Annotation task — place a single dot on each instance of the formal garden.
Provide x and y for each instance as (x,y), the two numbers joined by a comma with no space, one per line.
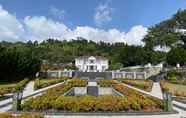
(54,100)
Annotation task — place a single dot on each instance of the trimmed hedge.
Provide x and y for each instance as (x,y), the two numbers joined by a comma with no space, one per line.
(90,104)
(67,86)
(106,83)
(41,83)
(139,83)
(139,100)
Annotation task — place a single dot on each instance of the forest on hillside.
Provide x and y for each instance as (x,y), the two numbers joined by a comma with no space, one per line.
(26,57)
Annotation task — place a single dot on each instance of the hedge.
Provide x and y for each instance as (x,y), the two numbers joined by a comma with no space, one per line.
(67,86)
(139,83)
(41,83)
(89,104)
(106,83)
(139,100)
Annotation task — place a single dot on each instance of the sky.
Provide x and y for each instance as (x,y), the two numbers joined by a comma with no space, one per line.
(98,20)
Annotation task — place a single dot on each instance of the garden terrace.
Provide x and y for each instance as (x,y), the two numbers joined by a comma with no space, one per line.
(44,82)
(175,89)
(139,83)
(131,101)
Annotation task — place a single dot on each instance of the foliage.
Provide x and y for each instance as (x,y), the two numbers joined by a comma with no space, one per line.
(44,82)
(62,52)
(106,83)
(139,83)
(177,55)
(75,82)
(16,64)
(88,104)
(60,90)
(140,101)
(175,88)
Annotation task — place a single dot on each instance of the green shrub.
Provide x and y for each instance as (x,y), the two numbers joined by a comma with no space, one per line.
(78,82)
(19,86)
(106,83)
(41,83)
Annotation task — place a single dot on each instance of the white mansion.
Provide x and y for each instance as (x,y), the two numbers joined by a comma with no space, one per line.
(91,63)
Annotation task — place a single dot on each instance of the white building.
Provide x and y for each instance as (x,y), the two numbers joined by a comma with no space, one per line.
(91,63)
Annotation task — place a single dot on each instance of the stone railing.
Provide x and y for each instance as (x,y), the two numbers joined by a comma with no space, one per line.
(131,75)
(56,73)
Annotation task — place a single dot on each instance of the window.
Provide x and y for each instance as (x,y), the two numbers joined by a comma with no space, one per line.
(91,61)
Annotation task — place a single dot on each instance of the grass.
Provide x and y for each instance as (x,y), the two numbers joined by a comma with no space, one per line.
(175,89)
(139,83)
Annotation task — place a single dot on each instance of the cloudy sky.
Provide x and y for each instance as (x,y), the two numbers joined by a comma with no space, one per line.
(98,20)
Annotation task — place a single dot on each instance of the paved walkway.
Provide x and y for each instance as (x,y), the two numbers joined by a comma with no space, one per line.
(156,90)
(29,88)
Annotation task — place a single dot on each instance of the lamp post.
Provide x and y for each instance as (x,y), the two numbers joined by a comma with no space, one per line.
(167,101)
(17,97)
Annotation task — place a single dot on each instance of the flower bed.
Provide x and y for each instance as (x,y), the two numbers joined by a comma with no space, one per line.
(175,89)
(26,115)
(139,83)
(139,100)
(41,83)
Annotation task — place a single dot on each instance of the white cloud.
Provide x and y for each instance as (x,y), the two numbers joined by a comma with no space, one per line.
(103,14)
(135,35)
(10,28)
(59,13)
(40,28)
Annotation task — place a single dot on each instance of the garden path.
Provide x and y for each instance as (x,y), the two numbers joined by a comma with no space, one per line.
(156,90)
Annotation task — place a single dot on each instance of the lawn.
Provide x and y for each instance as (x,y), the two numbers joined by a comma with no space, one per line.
(175,89)
(139,83)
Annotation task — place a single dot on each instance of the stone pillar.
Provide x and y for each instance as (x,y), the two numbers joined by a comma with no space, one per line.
(92,89)
(167,101)
(17,97)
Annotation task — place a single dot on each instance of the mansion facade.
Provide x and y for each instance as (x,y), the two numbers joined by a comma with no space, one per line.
(92,63)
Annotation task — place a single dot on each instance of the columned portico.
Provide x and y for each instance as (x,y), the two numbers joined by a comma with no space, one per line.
(91,64)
